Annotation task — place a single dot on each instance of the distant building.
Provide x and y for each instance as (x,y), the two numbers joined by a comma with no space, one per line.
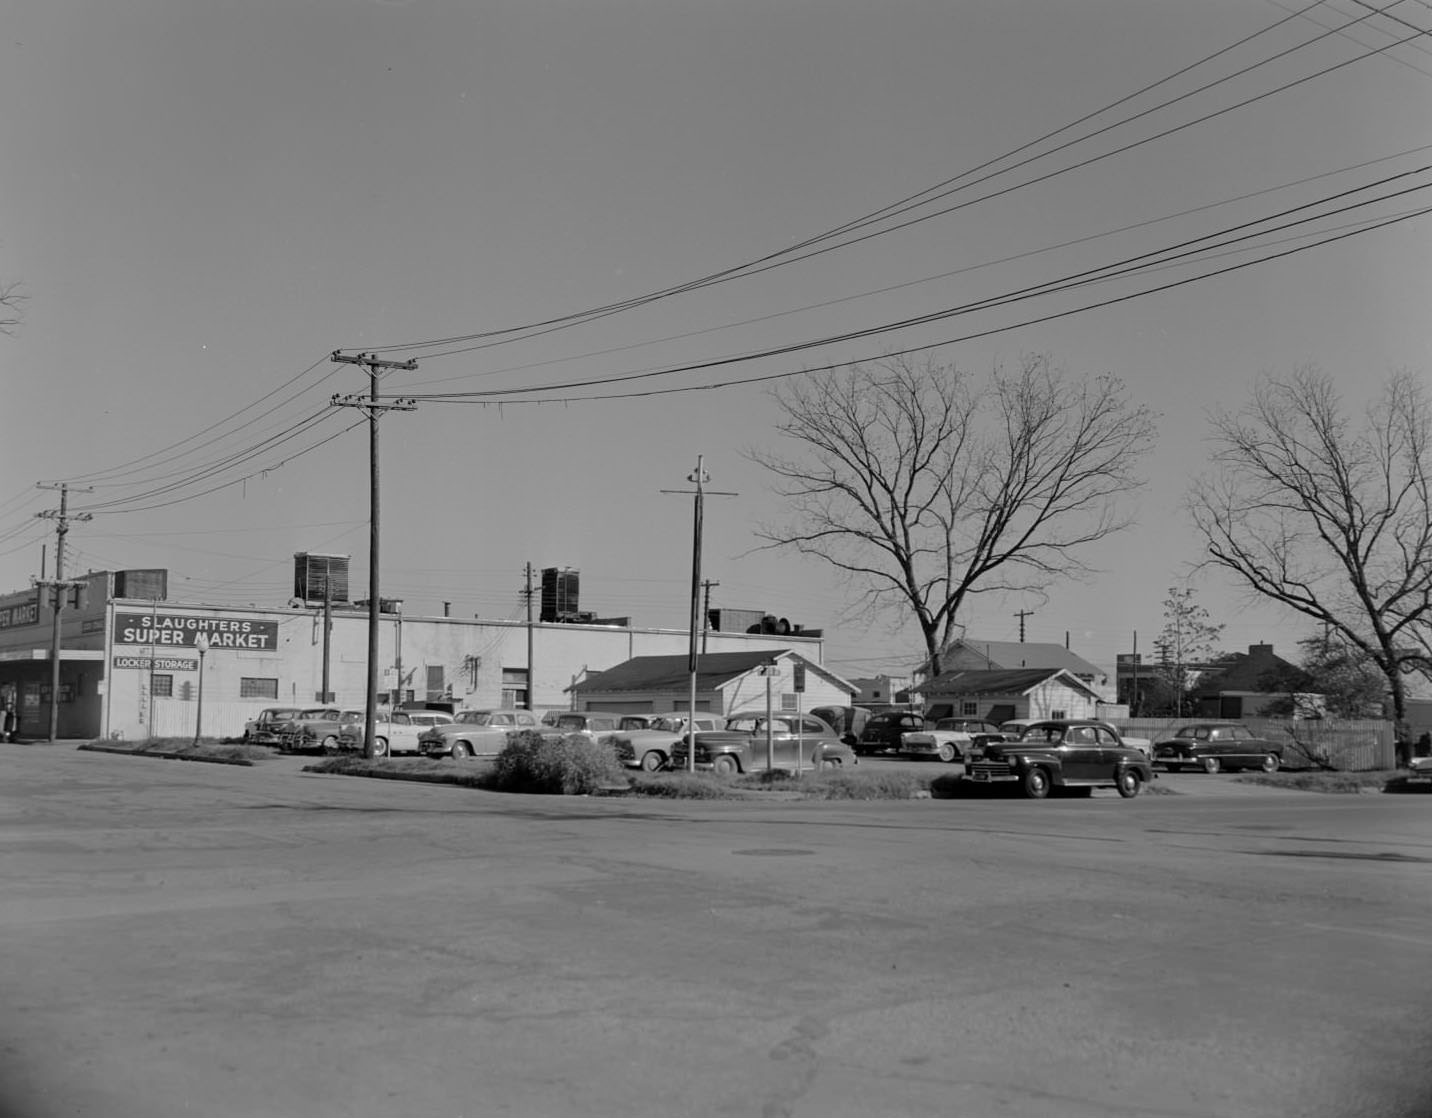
(999,694)
(725,682)
(1240,686)
(130,665)
(881,689)
(974,654)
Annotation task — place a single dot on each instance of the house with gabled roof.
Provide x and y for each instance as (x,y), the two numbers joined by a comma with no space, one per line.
(725,682)
(998,694)
(972,654)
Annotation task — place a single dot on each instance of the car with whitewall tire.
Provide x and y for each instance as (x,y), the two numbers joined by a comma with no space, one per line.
(1061,753)
(475,734)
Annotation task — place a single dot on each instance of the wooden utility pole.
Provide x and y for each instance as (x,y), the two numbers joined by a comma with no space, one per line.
(706,612)
(1022,614)
(531,678)
(374,408)
(58,586)
(699,477)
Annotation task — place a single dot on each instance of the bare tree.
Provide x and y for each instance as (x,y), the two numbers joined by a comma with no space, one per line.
(11,296)
(1332,521)
(925,488)
(1188,637)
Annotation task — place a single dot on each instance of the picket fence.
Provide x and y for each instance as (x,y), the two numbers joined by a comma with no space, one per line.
(1352,746)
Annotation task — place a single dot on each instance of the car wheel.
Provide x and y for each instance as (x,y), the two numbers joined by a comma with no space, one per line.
(948,753)
(380,747)
(725,765)
(826,764)
(329,743)
(1211,765)
(1270,763)
(461,751)
(652,761)
(1036,783)
(1127,782)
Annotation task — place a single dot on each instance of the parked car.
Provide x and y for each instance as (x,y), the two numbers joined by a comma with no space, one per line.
(430,717)
(394,731)
(848,722)
(594,725)
(475,733)
(1061,753)
(885,731)
(649,748)
(266,726)
(741,746)
(1419,771)
(948,739)
(1212,746)
(316,728)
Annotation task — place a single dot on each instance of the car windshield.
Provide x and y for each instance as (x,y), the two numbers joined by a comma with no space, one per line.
(317,712)
(669,724)
(572,722)
(1043,733)
(475,717)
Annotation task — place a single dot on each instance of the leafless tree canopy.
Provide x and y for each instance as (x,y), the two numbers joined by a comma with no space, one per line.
(1331,518)
(925,487)
(11,297)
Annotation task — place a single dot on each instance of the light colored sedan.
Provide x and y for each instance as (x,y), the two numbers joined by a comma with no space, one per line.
(475,733)
(394,731)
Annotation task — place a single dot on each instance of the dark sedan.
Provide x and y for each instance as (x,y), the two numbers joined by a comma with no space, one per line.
(1216,746)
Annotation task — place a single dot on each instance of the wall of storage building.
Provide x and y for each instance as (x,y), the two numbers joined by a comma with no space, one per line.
(470,663)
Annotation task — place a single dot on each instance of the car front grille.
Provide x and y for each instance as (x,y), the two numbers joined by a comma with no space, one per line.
(990,770)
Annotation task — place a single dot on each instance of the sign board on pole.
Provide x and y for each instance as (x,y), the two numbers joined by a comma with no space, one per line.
(798,675)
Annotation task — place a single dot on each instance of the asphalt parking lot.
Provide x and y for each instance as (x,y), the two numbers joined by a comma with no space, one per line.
(185,939)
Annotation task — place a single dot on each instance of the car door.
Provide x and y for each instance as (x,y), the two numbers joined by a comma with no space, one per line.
(1082,755)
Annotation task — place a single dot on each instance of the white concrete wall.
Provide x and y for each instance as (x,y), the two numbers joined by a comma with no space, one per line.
(472,654)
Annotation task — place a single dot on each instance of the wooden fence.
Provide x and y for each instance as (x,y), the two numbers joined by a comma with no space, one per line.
(1353,746)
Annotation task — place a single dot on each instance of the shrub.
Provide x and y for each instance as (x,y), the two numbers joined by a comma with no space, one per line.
(568,766)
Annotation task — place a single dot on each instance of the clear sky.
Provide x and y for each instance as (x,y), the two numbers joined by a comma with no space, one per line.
(204,198)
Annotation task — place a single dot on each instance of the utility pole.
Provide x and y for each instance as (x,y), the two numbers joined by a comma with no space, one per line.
(1022,614)
(374,408)
(706,612)
(531,679)
(58,586)
(698,477)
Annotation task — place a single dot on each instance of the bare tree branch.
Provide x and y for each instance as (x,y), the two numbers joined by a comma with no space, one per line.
(12,296)
(925,488)
(1332,521)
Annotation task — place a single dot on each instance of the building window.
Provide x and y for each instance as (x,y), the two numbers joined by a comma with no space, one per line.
(788,701)
(1057,714)
(435,681)
(969,709)
(250,688)
(163,686)
(514,688)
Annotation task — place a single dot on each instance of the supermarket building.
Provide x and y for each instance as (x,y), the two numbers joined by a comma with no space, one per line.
(134,664)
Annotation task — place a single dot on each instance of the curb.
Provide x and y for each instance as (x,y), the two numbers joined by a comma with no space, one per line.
(168,756)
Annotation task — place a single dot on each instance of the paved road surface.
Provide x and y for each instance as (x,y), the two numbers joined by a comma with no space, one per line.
(183,939)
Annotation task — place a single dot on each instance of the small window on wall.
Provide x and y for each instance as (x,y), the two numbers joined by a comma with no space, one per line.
(788,700)
(250,688)
(969,710)
(1057,714)
(163,686)
(514,698)
(514,676)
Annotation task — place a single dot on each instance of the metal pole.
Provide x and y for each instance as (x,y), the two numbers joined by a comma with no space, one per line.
(770,741)
(57,604)
(201,642)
